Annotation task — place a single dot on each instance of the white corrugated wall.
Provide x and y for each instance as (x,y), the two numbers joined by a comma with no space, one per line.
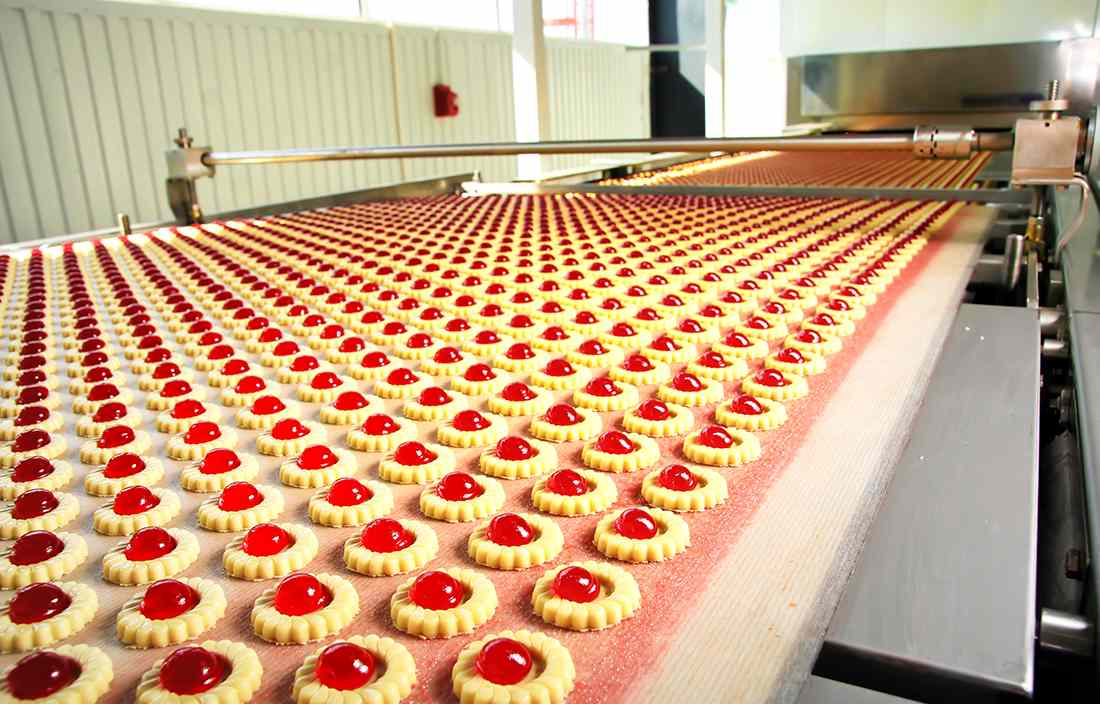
(91,94)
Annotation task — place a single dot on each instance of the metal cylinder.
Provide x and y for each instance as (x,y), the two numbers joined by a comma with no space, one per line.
(1050,321)
(1063,632)
(845,142)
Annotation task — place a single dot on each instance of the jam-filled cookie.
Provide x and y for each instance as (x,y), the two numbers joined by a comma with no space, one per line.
(169,612)
(45,612)
(586,596)
(687,389)
(218,469)
(512,667)
(37,509)
(41,556)
(33,418)
(480,379)
(792,361)
(605,394)
(574,492)
(150,554)
(350,502)
(199,439)
(656,419)
(400,383)
(774,385)
(565,423)
(639,370)
(366,668)
(265,411)
(514,457)
(289,436)
(443,603)
(718,367)
(642,535)
(813,342)
(559,375)
(350,408)
(35,472)
(470,428)
(746,412)
(32,443)
(681,488)
(513,541)
(79,674)
(240,506)
(741,346)
(134,508)
(317,466)
(304,607)
(717,446)
(670,351)
(459,497)
(433,404)
(520,358)
(616,451)
(184,414)
(269,550)
(414,462)
(388,546)
(215,671)
(380,432)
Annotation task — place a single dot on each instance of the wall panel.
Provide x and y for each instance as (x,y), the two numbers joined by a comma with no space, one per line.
(92,93)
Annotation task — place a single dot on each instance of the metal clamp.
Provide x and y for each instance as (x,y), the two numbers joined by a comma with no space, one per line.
(944,142)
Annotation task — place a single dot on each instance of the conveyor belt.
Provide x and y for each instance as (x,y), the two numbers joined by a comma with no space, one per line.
(471,258)
(882,170)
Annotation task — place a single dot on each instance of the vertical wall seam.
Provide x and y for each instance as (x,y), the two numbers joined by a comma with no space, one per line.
(54,167)
(71,115)
(125,136)
(102,149)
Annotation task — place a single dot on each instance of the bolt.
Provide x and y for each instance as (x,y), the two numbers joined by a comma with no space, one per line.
(1054,89)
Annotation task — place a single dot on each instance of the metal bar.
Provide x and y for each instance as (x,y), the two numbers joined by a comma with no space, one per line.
(655,48)
(1063,632)
(990,141)
(975,195)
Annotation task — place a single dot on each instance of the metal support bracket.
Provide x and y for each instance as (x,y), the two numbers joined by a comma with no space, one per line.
(185,164)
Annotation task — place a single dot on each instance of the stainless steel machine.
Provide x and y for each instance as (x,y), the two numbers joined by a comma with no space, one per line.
(976,582)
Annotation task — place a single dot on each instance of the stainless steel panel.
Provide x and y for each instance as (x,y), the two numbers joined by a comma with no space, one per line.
(1081,257)
(819,690)
(982,86)
(942,604)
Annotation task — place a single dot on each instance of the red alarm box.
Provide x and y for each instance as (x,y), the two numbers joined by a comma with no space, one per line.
(445,100)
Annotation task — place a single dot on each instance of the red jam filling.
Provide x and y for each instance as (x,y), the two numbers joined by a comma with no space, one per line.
(447,355)
(664,343)
(520,350)
(687,382)
(576,584)
(187,408)
(654,409)
(790,355)
(712,360)
(479,372)
(809,337)
(34,503)
(559,368)
(614,442)
(437,591)
(380,424)
(301,593)
(509,529)
(562,414)
(386,535)
(251,384)
(345,666)
(37,602)
(32,469)
(636,523)
(40,674)
(31,415)
(716,436)
(677,477)
(374,360)
(166,599)
(134,500)
(592,347)
(289,429)
(514,449)
(567,482)
(602,386)
(240,496)
(149,544)
(413,453)
(350,401)
(174,388)
(317,457)
(470,421)
(325,380)
(266,539)
(738,340)
(770,377)
(637,363)
(433,396)
(402,377)
(202,432)
(192,670)
(348,491)
(30,440)
(518,392)
(219,461)
(34,547)
(504,661)
(458,486)
(746,405)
